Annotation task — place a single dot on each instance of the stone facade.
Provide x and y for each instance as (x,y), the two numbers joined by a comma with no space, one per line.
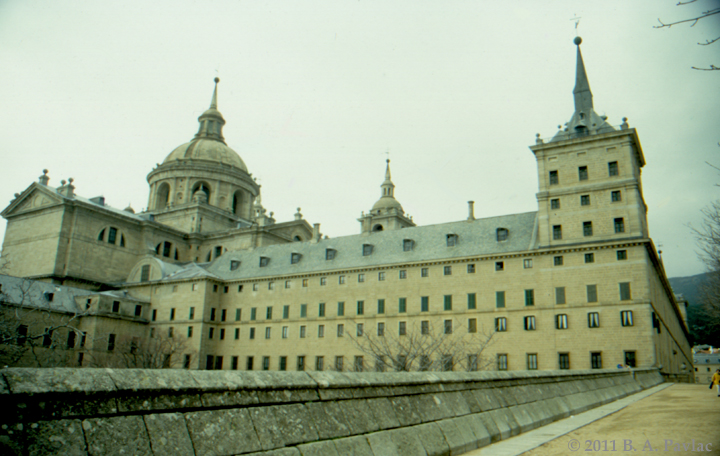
(576,285)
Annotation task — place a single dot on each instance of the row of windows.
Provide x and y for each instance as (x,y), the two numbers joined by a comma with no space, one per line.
(402,363)
(501,325)
(500,302)
(583,175)
(615,196)
(618,225)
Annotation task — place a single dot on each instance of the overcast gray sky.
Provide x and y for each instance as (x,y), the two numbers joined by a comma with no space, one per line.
(315,92)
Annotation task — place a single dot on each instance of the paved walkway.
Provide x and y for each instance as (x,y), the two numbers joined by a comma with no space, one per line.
(667,418)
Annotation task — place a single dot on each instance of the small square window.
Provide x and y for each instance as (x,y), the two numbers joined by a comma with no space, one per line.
(403,274)
(408,245)
(361,278)
(527,263)
(502,234)
(381,276)
(589,257)
(501,324)
(234,264)
(622,254)
(584,200)
(499,266)
(555,203)
(451,239)
(529,323)
(447,270)
(558,260)
(424,272)
(323,281)
(471,268)
(561,321)
(557,232)
(295,258)
(330,254)
(626,318)
(554,180)
(583,173)
(264,261)
(587,229)
(613,168)
(615,196)
(341,279)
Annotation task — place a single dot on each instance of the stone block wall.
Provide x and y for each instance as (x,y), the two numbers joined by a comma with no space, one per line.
(180,412)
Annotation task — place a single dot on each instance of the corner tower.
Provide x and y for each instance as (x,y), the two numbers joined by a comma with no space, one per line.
(589,177)
(387,213)
(203,173)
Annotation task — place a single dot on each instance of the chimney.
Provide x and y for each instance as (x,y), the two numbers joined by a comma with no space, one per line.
(316,233)
(471,210)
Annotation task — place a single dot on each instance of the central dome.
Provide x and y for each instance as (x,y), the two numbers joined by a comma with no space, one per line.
(206,149)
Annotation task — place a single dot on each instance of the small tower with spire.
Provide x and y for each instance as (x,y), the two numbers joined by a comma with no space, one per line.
(387,213)
(589,177)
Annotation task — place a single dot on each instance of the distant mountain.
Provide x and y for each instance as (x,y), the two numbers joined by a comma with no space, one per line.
(689,287)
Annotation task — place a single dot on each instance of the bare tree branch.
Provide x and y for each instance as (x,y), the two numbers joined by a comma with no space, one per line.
(694,20)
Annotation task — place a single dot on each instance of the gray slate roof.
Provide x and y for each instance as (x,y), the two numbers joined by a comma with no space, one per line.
(701,359)
(32,293)
(477,237)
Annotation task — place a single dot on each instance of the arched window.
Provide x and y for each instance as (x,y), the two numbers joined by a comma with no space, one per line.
(163,196)
(237,203)
(297,239)
(101,236)
(164,249)
(201,186)
(114,236)
(377,227)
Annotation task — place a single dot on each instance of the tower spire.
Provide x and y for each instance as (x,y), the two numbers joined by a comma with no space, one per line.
(213,102)
(211,121)
(581,92)
(388,188)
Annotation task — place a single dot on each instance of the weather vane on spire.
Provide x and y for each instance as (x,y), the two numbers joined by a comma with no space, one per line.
(387,153)
(577,21)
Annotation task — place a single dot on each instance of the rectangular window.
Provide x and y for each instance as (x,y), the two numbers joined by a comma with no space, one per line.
(447,326)
(381,329)
(301,363)
(593,320)
(555,203)
(319,363)
(361,278)
(339,363)
(116,309)
(622,255)
(626,318)
(596,360)
(361,307)
(283,363)
(323,281)
(154,314)
(425,363)
(112,237)
(447,302)
(424,303)
(502,362)
(191,315)
(557,232)
(561,321)
(407,245)
(381,276)
(249,363)
(501,324)
(341,309)
(452,240)
(305,283)
(341,279)
(583,173)
(559,295)
(138,310)
(190,332)
(238,313)
(253,314)
(218,362)
(447,270)
(234,363)
(381,306)
(472,325)
(266,363)
(360,328)
(212,314)
(256,287)
(71,339)
(619,225)
(403,274)
(529,323)
(222,333)
(592,293)
(330,254)
(425,327)
(554,180)
(340,330)
(321,331)
(286,312)
(402,328)
(558,260)
(446,363)
(615,196)
(424,272)
(211,333)
(630,359)
(367,249)
(471,268)
(240,288)
(237,333)
(584,200)
(402,305)
(532,361)
(527,263)
(613,168)
(48,335)
(529,297)
(303,310)
(284,332)
(321,309)
(625,291)
(268,313)
(472,301)
(287,284)
(499,299)
(564,360)
(589,258)
(499,266)
(587,229)
(268,332)
(252,333)
(295,258)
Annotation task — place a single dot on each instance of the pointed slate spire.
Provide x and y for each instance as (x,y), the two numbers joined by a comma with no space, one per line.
(387,186)
(581,92)
(211,121)
(213,102)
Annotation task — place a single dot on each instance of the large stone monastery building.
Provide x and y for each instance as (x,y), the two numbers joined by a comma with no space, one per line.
(577,284)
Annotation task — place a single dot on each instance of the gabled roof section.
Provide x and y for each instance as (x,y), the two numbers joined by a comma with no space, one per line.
(40,295)
(34,197)
(476,237)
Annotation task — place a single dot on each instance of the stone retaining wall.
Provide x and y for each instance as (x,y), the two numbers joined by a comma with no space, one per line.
(180,412)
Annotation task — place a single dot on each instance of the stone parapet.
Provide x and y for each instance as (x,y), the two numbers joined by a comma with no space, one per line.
(178,412)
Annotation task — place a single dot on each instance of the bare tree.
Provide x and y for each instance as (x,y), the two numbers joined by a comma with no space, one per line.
(694,20)
(159,352)
(429,345)
(707,328)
